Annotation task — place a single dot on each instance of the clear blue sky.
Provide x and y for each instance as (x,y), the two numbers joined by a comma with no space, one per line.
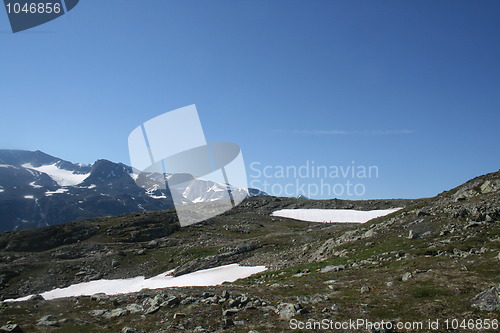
(412,87)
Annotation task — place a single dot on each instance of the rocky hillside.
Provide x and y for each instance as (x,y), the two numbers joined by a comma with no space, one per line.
(435,259)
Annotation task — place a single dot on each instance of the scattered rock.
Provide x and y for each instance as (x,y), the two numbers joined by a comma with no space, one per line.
(488,300)
(36,298)
(115,313)
(365,289)
(152,309)
(413,235)
(127,329)
(230,312)
(369,233)
(99,297)
(288,310)
(48,320)
(304,299)
(330,268)
(226,323)
(97,313)
(422,213)
(406,276)
(11,328)
(134,308)
(171,302)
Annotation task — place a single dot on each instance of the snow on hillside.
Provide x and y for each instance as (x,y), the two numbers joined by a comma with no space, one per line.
(60,176)
(58,191)
(205,277)
(333,215)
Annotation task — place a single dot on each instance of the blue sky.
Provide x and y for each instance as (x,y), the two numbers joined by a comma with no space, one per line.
(412,87)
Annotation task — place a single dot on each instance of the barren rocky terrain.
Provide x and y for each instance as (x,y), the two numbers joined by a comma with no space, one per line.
(436,259)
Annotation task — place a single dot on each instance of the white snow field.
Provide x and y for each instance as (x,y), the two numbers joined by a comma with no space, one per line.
(60,176)
(205,277)
(333,215)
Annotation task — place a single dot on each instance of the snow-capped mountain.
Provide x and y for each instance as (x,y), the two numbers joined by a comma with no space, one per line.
(37,189)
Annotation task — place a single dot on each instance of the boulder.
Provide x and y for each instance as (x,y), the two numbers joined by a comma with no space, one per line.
(488,300)
(288,310)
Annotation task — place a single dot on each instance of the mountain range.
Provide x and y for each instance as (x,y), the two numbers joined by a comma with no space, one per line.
(37,189)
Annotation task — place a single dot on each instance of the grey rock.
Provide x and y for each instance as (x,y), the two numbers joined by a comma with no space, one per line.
(36,298)
(413,235)
(48,320)
(152,244)
(226,323)
(331,268)
(134,308)
(127,329)
(189,300)
(233,303)
(287,310)
(97,313)
(490,186)
(230,312)
(97,276)
(152,309)
(11,328)
(365,289)
(312,299)
(422,213)
(99,297)
(172,301)
(488,300)
(406,276)
(115,313)
(369,233)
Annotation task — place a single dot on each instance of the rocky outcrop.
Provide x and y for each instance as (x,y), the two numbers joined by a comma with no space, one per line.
(488,300)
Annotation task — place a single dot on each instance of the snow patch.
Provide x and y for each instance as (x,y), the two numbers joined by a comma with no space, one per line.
(158,196)
(60,176)
(58,191)
(29,197)
(32,184)
(206,277)
(333,215)
(6,166)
